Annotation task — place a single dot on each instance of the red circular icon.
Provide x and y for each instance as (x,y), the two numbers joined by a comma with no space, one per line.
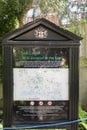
(32,103)
(40,103)
(41,118)
(49,103)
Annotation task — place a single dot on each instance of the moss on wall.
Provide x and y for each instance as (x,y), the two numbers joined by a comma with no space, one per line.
(83,62)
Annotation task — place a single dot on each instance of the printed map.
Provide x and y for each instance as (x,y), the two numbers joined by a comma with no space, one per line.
(40,84)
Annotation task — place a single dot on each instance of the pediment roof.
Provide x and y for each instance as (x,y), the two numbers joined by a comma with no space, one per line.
(33,31)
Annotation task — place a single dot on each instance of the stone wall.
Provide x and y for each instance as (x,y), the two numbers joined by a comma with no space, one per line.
(83,47)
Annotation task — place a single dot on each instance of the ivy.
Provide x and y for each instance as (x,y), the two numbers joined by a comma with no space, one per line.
(10,11)
(82,114)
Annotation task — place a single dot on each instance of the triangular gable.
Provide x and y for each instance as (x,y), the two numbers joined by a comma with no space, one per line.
(41,29)
(40,33)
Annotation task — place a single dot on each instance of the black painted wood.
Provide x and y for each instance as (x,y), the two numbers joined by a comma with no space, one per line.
(57,38)
(74,86)
(21,34)
(7,86)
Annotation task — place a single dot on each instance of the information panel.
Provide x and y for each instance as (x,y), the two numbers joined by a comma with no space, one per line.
(40,85)
(37,57)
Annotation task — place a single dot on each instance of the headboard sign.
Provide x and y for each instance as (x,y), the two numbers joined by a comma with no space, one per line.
(41,75)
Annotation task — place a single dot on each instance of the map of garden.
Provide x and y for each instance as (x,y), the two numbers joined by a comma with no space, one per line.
(40,84)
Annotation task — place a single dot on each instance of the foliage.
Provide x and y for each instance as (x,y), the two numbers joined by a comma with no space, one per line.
(77,9)
(70,13)
(82,114)
(74,28)
(52,5)
(7,17)
(10,13)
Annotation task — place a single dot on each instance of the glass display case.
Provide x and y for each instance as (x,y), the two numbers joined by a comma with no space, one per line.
(40,84)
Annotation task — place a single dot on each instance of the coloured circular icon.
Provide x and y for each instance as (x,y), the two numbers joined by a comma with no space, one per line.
(32,103)
(40,117)
(40,103)
(49,103)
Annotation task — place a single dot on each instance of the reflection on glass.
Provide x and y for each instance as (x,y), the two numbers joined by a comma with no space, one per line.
(40,84)
(40,57)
